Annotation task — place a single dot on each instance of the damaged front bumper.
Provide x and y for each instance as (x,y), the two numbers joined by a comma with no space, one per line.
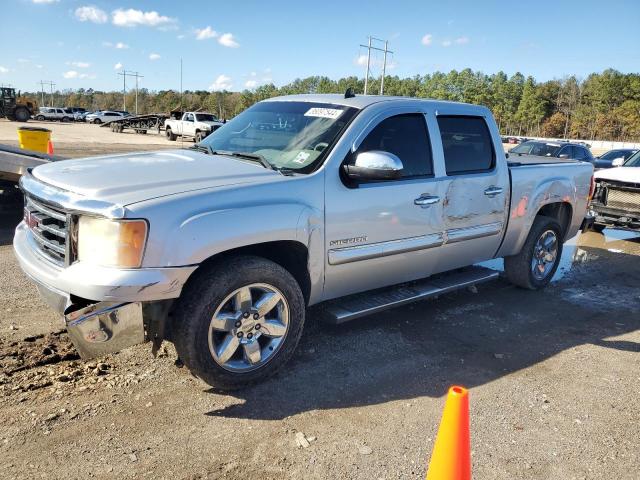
(105,327)
(105,309)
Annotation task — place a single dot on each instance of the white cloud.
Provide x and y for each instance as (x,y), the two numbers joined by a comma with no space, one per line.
(133,18)
(205,33)
(117,66)
(461,40)
(446,43)
(154,56)
(119,45)
(41,2)
(427,39)
(70,74)
(180,37)
(361,60)
(251,84)
(23,60)
(90,13)
(39,66)
(4,69)
(223,82)
(227,40)
(79,64)
(87,75)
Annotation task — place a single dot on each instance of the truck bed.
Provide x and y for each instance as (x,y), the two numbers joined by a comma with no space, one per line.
(521,160)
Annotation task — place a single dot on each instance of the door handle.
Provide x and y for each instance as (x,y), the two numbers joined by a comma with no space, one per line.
(493,191)
(426,200)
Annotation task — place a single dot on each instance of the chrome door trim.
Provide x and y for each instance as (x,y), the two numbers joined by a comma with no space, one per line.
(469,233)
(339,256)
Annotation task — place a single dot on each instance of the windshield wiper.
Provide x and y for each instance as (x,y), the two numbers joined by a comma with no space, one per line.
(201,148)
(248,156)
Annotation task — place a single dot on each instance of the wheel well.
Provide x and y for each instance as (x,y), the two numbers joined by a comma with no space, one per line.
(561,211)
(289,254)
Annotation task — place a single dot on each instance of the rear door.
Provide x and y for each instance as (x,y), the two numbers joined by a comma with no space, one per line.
(475,189)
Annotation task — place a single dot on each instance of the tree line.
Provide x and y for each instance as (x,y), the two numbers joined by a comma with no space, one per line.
(603,106)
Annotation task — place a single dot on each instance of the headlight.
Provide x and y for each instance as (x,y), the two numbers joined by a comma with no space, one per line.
(111,243)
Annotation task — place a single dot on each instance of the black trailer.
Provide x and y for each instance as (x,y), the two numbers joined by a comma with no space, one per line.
(138,123)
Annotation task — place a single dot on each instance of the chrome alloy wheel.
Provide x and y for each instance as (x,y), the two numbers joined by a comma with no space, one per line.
(545,255)
(248,327)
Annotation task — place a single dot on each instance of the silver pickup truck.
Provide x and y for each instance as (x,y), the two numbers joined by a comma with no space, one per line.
(356,202)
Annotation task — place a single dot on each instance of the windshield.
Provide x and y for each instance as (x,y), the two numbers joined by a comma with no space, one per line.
(205,117)
(633,161)
(288,135)
(536,148)
(613,154)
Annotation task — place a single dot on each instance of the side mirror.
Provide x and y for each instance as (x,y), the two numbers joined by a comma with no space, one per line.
(617,162)
(564,155)
(375,165)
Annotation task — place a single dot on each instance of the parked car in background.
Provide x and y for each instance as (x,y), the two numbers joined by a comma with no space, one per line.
(616,200)
(196,125)
(541,148)
(220,248)
(606,159)
(103,116)
(53,113)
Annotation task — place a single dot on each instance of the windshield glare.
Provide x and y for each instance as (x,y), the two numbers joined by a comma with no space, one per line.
(537,148)
(289,135)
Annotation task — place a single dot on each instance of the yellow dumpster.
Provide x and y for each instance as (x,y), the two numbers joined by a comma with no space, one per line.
(34,138)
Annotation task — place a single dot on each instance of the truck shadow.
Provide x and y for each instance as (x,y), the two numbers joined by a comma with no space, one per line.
(462,338)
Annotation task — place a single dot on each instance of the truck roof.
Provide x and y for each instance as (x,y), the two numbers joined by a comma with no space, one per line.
(357,101)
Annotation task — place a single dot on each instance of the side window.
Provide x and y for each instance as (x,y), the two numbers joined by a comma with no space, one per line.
(467,144)
(406,137)
(566,150)
(580,153)
(189,117)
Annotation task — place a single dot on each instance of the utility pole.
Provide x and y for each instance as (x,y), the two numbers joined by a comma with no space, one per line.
(369,47)
(124,74)
(51,85)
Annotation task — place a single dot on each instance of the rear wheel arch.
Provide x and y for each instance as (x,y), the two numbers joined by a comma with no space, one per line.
(562,212)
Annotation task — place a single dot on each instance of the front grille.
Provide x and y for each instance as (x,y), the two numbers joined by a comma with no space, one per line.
(627,200)
(49,229)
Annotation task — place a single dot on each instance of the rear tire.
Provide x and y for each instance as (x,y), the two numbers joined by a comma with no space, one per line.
(170,136)
(534,267)
(65,119)
(213,294)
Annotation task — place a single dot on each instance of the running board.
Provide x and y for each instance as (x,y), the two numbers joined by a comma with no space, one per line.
(358,305)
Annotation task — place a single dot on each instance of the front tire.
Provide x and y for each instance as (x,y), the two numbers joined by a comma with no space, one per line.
(534,267)
(238,321)
(97,121)
(21,114)
(40,118)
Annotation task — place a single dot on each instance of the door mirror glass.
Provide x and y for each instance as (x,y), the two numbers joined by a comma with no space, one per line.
(375,165)
(617,162)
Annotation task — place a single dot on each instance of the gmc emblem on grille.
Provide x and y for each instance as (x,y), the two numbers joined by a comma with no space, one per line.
(30,220)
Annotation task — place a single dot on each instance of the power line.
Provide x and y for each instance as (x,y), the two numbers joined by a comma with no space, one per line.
(126,74)
(386,50)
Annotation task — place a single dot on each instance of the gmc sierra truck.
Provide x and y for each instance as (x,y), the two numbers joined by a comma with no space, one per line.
(360,203)
(196,125)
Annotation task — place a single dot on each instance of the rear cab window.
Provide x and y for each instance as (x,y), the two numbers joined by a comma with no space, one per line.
(467,144)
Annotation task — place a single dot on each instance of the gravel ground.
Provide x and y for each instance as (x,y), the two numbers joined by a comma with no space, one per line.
(553,379)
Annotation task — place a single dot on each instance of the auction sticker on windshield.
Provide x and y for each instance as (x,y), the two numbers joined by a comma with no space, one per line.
(323,112)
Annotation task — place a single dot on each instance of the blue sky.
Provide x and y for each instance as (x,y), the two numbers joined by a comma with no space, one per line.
(241,44)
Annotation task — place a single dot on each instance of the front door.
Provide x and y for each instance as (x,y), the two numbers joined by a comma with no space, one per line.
(384,232)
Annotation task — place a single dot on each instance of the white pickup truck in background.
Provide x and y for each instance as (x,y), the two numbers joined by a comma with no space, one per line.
(192,124)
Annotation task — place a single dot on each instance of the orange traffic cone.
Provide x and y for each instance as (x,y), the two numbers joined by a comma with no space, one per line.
(451,457)
(50,148)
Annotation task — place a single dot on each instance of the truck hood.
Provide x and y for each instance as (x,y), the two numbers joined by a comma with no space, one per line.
(135,177)
(619,174)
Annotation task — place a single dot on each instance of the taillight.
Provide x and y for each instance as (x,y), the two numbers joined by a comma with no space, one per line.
(592,189)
